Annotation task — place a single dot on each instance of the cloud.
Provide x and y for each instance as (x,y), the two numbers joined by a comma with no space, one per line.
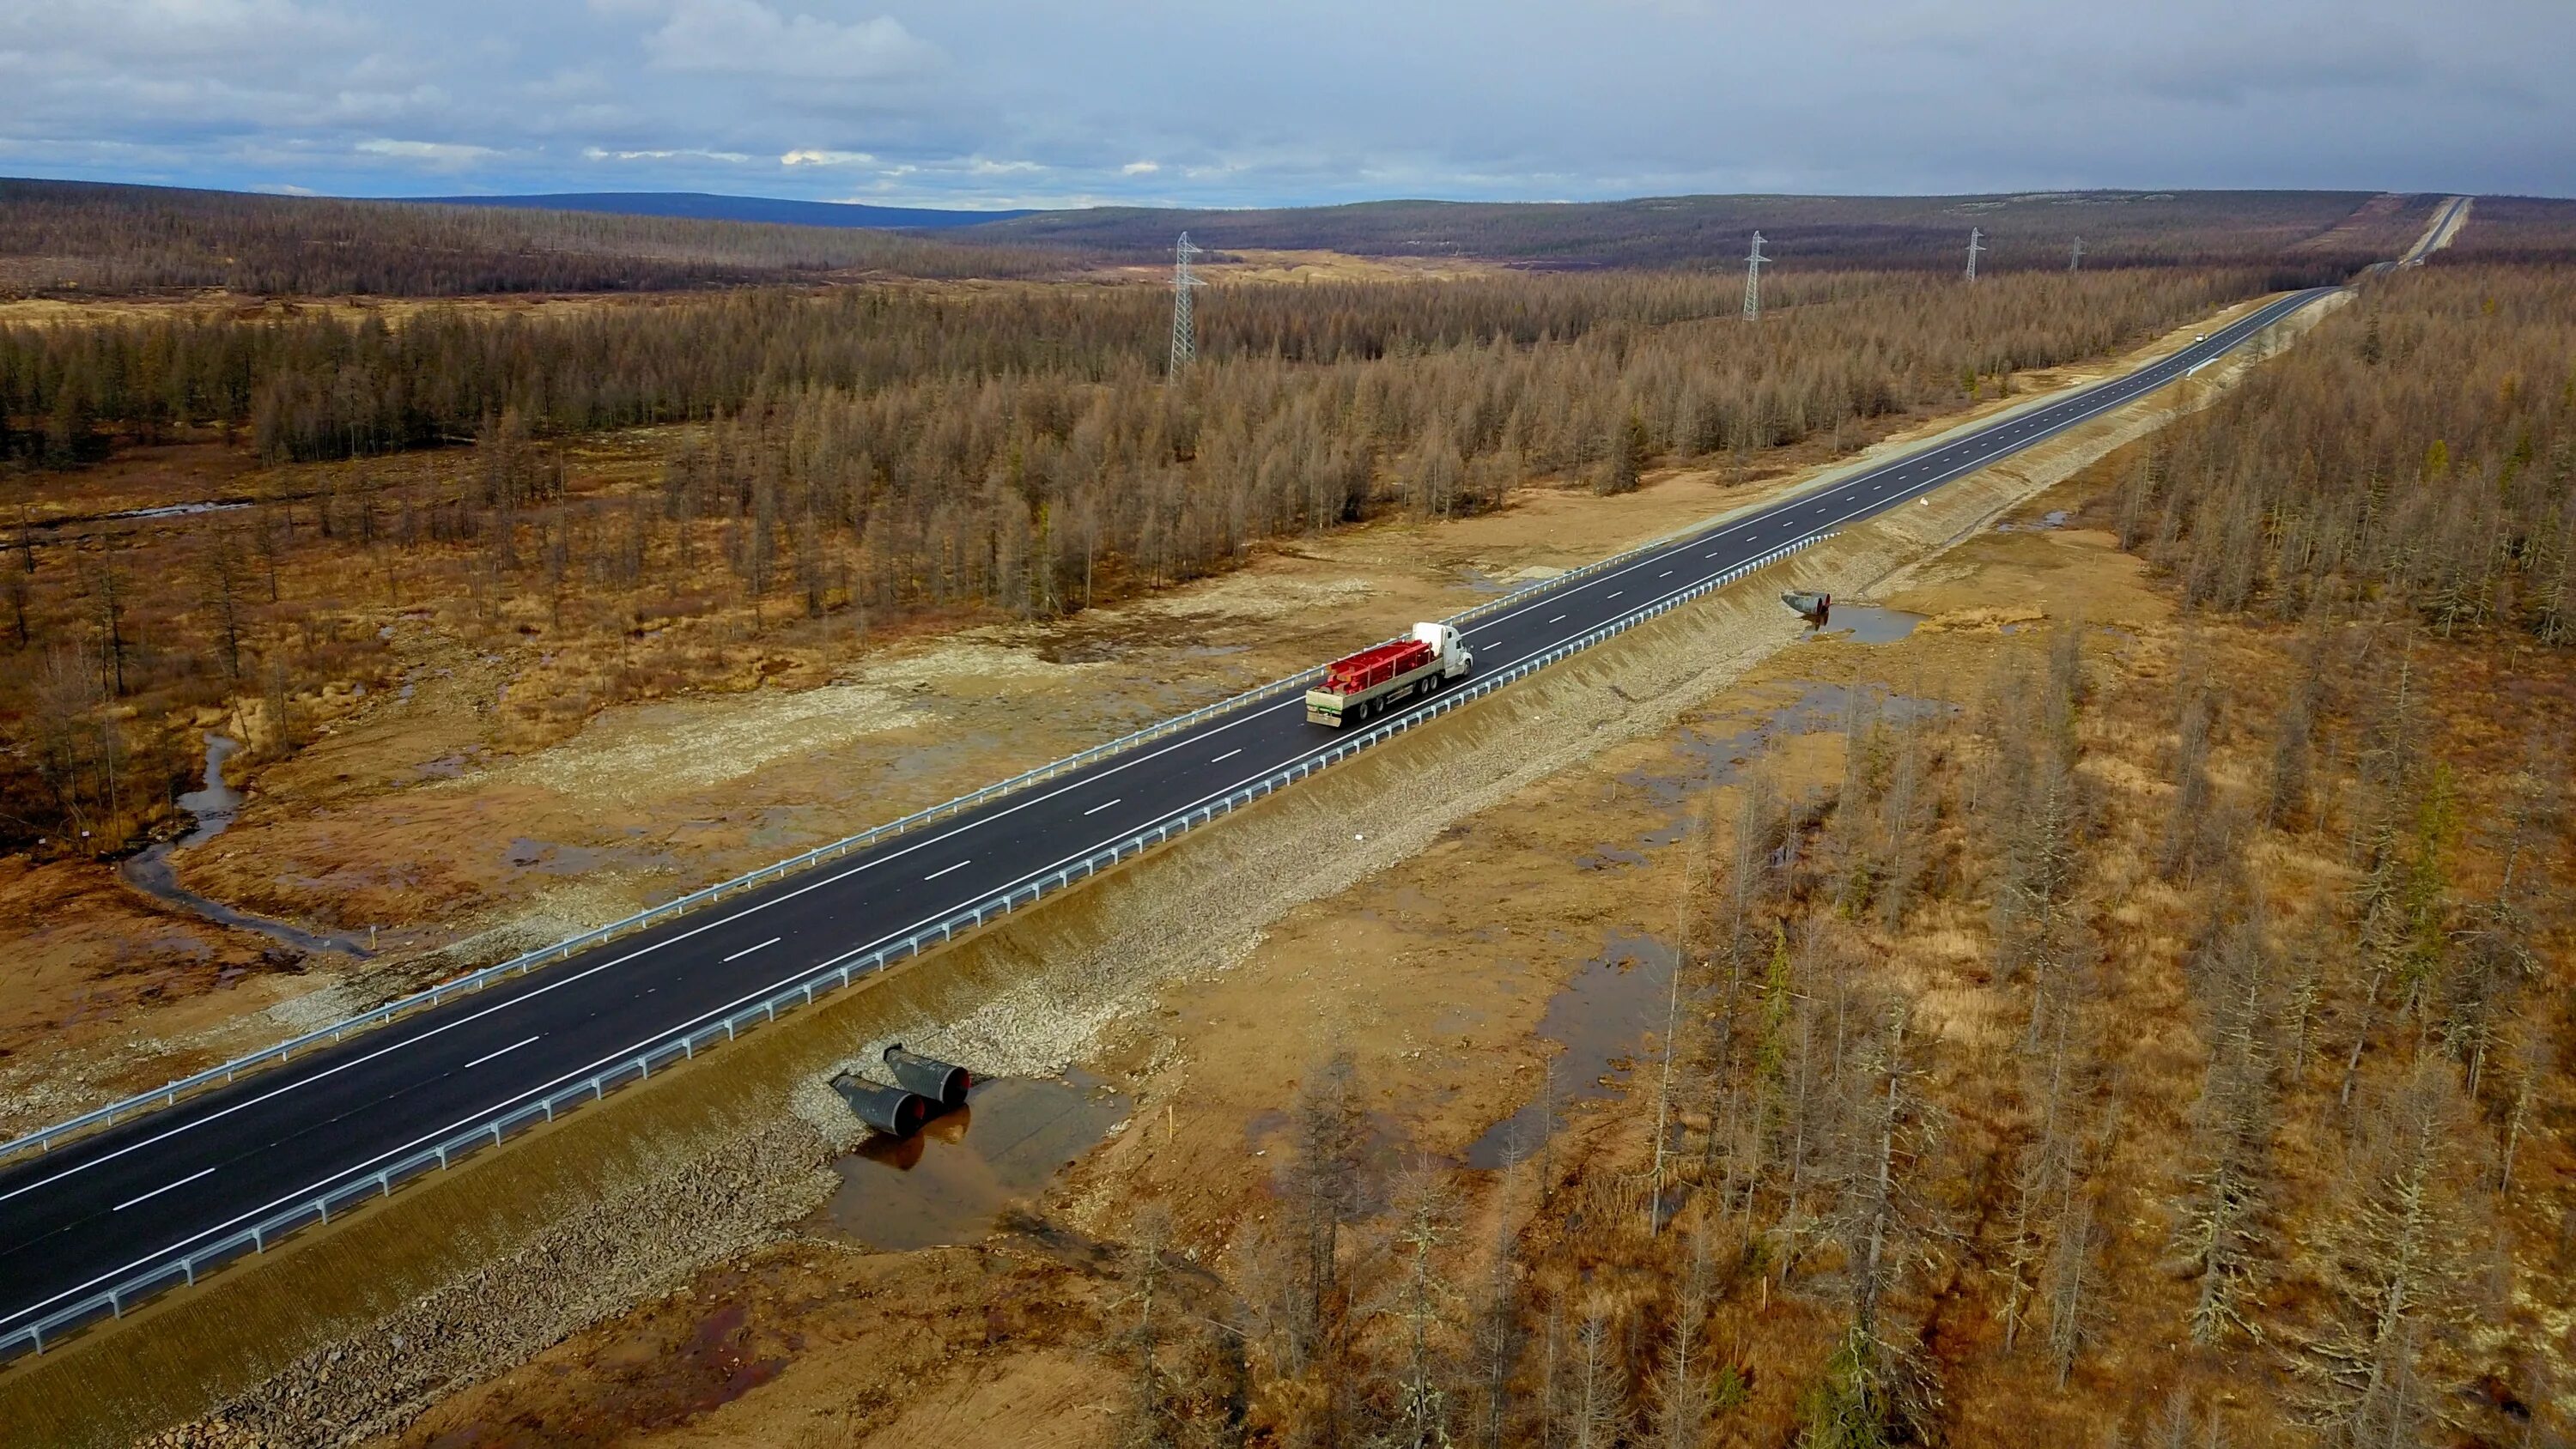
(445,155)
(594,153)
(1018,101)
(746,37)
(282,188)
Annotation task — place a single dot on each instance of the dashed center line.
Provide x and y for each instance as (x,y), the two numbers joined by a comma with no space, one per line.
(945,869)
(514,1046)
(156,1192)
(1616,594)
(1559,619)
(1096,809)
(1228,755)
(747,950)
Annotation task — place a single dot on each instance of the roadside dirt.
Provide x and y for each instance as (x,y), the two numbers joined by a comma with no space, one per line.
(410,821)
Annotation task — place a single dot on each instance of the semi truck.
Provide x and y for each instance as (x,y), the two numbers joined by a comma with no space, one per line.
(1370,682)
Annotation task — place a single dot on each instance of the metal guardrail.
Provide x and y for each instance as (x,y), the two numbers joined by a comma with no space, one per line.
(46,1139)
(184,1269)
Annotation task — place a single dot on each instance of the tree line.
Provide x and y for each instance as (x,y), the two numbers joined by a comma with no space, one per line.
(85,237)
(325,387)
(944,467)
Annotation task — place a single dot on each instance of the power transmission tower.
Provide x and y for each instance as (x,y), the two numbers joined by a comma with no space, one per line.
(2075,261)
(1976,244)
(1185,336)
(1753,281)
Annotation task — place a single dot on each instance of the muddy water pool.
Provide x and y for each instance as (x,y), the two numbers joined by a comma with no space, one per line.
(950,1182)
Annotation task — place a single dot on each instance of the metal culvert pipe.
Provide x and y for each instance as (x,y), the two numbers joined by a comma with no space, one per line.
(940,1081)
(890,1110)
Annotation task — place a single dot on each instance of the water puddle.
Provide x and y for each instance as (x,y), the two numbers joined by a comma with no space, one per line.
(950,1183)
(213,807)
(214,803)
(1601,1019)
(1867,624)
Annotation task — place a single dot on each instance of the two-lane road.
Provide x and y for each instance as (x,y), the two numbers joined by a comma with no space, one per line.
(93,1214)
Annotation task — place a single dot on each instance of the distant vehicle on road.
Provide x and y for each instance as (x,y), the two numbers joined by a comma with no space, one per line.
(1367,683)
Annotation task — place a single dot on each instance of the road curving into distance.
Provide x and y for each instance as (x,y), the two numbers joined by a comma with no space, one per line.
(105,1208)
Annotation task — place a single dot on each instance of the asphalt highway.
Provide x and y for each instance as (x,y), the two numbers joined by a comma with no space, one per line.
(103,1208)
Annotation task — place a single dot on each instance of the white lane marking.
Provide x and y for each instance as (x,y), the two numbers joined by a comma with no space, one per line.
(1096,809)
(1559,619)
(1614,593)
(945,869)
(514,1046)
(747,950)
(1228,755)
(2252,324)
(1668,573)
(156,1192)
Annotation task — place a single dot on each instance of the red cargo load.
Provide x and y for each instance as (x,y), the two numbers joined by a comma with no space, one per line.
(1371,667)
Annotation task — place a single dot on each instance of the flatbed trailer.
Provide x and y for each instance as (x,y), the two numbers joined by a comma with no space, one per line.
(1367,684)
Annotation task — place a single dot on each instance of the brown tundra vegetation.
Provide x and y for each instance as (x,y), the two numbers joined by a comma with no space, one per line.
(2154,1043)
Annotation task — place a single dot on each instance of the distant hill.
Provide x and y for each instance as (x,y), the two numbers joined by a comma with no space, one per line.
(2324,233)
(64,236)
(706,206)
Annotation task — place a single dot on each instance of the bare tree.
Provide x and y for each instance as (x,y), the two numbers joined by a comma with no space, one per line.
(2219,1235)
(2398,1279)
(1496,1337)
(1682,1382)
(220,573)
(1597,1416)
(1420,1302)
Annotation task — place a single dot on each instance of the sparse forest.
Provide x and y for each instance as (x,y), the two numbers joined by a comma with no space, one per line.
(2168,1050)
(876,455)
(2419,450)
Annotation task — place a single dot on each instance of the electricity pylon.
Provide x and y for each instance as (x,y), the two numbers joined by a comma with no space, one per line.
(1753,281)
(1185,337)
(1976,244)
(2075,259)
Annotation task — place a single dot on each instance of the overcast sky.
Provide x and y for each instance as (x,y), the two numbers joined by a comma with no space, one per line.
(991,103)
